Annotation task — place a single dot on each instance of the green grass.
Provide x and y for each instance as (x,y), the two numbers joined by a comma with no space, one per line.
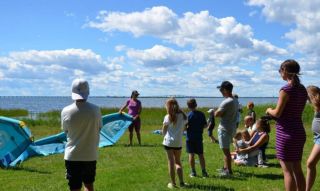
(13,112)
(145,168)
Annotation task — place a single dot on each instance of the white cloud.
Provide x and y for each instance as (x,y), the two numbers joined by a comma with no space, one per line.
(35,69)
(154,21)
(301,15)
(161,57)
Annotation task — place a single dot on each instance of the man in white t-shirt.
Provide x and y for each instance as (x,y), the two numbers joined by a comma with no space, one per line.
(81,121)
(227,111)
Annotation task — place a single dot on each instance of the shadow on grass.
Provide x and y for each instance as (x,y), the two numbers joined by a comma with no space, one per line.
(264,176)
(271,156)
(143,145)
(27,169)
(275,165)
(208,187)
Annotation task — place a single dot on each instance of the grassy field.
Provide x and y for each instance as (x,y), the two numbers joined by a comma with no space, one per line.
(145,167)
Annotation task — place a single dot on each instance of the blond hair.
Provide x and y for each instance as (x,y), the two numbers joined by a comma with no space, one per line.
(314,96)
(173,109)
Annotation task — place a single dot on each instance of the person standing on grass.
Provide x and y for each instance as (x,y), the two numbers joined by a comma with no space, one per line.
(134,109)
(211,124)
(290,133)
(81,121)
(251,112)
(196,123)
(239,110)
(174,124)
(227,111)
(314,98)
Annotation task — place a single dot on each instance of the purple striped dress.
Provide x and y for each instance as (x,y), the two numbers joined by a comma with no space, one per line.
(290,133)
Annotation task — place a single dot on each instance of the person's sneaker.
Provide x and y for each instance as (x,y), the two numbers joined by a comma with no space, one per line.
(221,169)
(263,166)
(224,174)
(171,186)
(193,174)
(183,184)
(205,174)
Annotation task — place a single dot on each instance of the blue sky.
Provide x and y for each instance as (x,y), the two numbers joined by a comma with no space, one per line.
(157,47)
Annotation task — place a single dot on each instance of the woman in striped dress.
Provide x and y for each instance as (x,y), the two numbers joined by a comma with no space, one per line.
(290,133)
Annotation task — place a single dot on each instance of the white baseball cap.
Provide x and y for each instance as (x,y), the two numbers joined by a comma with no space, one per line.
(80,89)
(210,110)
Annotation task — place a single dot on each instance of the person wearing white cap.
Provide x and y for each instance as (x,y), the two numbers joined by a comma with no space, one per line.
(211,123)
(81,121)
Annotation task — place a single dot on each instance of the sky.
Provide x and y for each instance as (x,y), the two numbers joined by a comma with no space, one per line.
(160,48)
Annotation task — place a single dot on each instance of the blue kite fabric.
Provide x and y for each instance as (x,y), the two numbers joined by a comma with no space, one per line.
(15,138)
(16,145)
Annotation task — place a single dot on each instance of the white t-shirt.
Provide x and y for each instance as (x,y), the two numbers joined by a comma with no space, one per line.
(82,123)
(173,137)
(253,128)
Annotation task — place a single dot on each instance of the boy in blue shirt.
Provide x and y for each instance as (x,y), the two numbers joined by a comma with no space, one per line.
(196,123)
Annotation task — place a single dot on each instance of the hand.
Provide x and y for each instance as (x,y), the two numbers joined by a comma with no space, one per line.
(268,111)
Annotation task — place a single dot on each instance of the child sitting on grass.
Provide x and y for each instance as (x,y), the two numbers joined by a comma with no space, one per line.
(196,123)
(240,141)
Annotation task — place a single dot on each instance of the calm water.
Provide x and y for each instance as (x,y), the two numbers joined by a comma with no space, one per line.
(44,104)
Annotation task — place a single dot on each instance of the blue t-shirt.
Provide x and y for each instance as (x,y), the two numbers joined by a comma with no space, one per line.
(196,123)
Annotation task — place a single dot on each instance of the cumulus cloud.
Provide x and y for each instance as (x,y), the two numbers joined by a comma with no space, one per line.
(161,57)
(302,15)
(35,68)
(196,29)
(155,21)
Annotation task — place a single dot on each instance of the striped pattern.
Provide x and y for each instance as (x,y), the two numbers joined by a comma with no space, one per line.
(290,133)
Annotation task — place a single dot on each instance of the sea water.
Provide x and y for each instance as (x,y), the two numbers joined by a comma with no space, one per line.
(38,104)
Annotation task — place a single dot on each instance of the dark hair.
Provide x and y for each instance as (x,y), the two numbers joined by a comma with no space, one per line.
(264,123)
(192,103)
(292,68)
(134,92)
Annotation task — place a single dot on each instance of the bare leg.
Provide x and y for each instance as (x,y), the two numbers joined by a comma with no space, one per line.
(227,159)
(191,161)
(130,138)
(299,176)
(289,179)
(311,166)
(139,137)
(177,154)
(202,162)
(170,156)
(88,187)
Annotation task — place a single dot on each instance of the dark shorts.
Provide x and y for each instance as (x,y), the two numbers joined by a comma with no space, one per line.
(78,172)
(135,125)
(172,148)
(194,147)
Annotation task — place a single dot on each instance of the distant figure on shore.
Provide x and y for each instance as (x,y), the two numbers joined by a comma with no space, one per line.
(174,124)
(227,111)
(134,109)
(239,110)
(251,112)
(290,133)
(211,124)
(81,121)
(194,141)
(314,98)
